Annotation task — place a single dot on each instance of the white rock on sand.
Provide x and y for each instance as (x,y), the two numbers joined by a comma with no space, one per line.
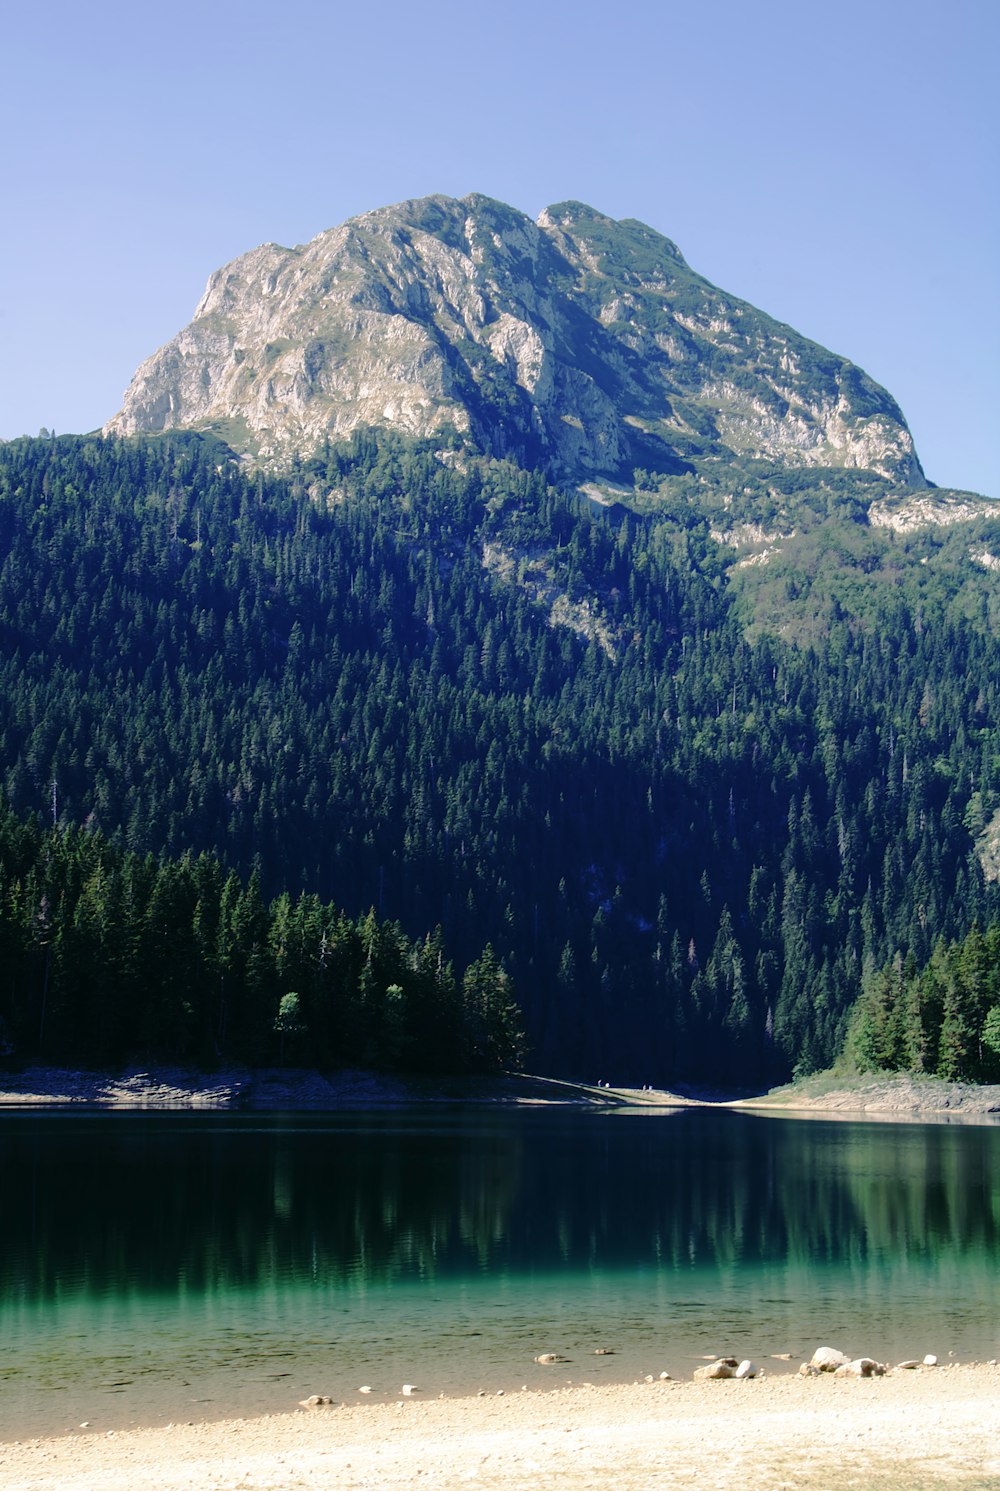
(912,1430)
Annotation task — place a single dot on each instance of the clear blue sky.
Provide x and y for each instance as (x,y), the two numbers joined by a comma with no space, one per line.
(837,166)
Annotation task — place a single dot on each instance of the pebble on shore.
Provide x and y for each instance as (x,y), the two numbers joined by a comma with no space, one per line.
(824,1359)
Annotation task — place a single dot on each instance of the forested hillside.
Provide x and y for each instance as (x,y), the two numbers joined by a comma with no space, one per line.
(427,684)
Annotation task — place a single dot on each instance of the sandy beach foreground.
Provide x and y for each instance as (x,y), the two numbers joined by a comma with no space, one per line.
(908,1430)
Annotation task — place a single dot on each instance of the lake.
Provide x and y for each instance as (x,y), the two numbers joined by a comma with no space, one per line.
(158,1267)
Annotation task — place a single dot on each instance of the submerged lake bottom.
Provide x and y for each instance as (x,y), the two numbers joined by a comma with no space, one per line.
(165,1267)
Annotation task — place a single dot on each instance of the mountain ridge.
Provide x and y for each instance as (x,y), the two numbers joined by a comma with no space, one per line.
(575,344)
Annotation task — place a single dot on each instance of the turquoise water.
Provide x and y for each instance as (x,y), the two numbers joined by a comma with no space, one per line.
(158,1267)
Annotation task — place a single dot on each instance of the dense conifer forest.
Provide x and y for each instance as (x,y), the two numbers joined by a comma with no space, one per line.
(432,692)
(943,1018)
(108,955)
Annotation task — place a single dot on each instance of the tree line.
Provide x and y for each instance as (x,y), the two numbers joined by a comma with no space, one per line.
(108,956)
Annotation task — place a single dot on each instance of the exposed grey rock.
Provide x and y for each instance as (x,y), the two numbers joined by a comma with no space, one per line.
(580,343)
(549,1358)
(715,1371)
(931,509)
(316,1400)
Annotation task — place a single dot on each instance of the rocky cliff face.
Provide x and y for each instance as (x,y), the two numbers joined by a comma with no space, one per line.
(579,343)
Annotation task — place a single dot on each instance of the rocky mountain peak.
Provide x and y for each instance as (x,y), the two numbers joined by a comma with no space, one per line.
(578,343)
(582,225)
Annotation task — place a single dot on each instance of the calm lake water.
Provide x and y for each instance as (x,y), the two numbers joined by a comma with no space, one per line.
(176,1266)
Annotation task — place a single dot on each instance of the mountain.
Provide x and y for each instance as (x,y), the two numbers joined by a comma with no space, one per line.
(577,344)
(589,351)
(507,578)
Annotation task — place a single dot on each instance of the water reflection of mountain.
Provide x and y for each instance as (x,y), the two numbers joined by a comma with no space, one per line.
(123,1204)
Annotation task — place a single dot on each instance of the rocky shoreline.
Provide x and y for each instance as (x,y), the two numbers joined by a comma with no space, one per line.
(883,1095)
(292,1089)
(877,1096)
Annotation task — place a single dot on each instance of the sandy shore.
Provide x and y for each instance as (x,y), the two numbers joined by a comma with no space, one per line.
(908,1430)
